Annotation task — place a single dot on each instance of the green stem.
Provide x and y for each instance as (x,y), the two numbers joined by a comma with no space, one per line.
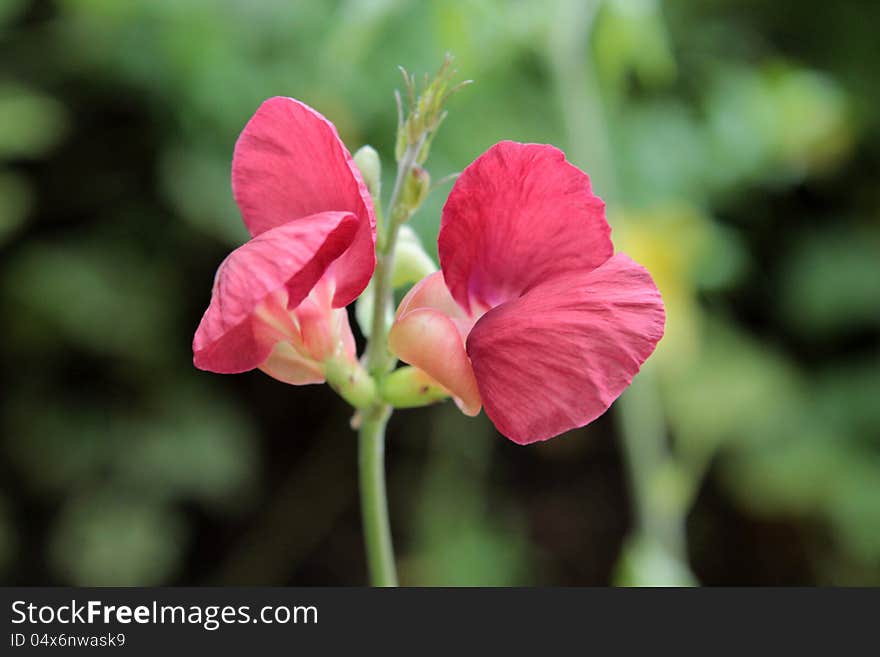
(374,419)
(378,358)
(374,502)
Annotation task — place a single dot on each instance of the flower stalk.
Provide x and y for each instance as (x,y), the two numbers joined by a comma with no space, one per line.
(374,499)
(378,358)
(414,133)
(371,436)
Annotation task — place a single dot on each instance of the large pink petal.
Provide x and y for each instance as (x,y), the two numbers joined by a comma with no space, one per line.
(290,163)
(291,258)
(557,357)
(517,216)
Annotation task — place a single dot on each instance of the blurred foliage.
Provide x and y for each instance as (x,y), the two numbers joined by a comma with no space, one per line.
(94,532)
(738,150)
(459,542)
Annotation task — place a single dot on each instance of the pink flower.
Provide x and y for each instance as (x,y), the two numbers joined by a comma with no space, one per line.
(279,300)
(532,315)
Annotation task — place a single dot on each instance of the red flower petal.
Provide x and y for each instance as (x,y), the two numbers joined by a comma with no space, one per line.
(519,215)
(289,163)
(557,357)
(291,257)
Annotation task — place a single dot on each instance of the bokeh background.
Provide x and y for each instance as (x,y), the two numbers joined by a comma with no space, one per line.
(737,143)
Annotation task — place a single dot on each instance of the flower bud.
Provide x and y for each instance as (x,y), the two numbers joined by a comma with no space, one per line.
(415,191)
(411,261)
(367,160)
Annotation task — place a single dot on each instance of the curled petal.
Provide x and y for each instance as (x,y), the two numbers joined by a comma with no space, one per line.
(430,341)
(519,215)
(431,292)
(289,259)
(289,163)
(428,332)
(557,357)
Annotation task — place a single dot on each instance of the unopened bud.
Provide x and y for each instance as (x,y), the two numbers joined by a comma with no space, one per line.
(367,160)
(415,190)
(411,261)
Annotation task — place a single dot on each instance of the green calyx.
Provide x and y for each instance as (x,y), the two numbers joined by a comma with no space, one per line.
(409,387)
(405,387)
(350,381)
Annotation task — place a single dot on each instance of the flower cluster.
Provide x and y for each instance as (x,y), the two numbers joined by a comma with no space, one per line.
(532,315)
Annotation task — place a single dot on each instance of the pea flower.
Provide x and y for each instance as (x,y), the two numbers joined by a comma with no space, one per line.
(532,315)
(278,301)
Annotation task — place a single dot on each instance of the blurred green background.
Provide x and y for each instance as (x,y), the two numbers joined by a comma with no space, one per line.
(737,143)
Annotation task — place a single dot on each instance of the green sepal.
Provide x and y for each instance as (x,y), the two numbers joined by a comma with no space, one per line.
(410,387)
(350,381)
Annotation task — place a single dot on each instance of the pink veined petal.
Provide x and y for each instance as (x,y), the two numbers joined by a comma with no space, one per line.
(287,365)
(519,215)
(289,163)
(323,329)
(557,357)
(292,257)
